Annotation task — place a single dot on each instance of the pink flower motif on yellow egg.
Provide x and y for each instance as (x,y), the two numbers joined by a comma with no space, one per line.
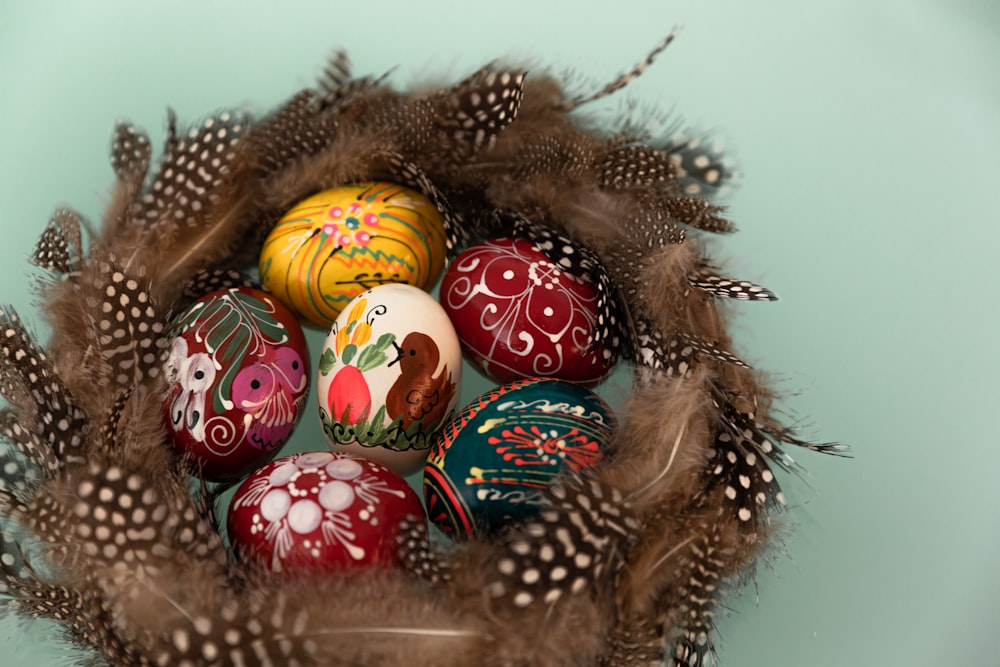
(350,225)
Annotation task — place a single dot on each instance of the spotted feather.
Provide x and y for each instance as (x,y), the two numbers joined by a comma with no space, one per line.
(130,154)
(557,156)
(634,167)
(621,81)
(59,249)
(702,171)
(697,213)
(294,131)
(706,349)
(59,422)
(128,325)
(108,436)
(748,483)
(655,230)
(636,642)
(192,168)
(416,553)
(700,581)
(577,544)
(731,288)
(477,109)
(12,563)
(29,443)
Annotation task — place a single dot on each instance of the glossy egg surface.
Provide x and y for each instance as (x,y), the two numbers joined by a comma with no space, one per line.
(389,376)
(320,511)
(238,379)
(336,244)
(519,315)
(492,463)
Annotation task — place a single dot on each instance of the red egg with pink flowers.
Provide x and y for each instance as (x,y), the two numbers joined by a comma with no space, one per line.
(237,375)
(519,315)
(321,511)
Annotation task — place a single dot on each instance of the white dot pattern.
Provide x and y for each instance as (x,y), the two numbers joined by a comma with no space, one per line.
(27,373)
(129,327)
(568,548)
(731,288)
(193,166)
(478,108)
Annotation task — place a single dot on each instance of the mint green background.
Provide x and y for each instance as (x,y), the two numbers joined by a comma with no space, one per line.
(869,134)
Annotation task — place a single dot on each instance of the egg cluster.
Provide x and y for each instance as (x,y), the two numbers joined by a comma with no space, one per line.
(358,261)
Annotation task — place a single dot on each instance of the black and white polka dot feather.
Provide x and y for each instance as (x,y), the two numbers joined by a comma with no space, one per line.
(654,231)
(296,130)
(689,343)
(194,165)
(749,486)
(128,326)
(130,154)
(477,109)
(702,170)
(636,641)
(744,426)
(697,213)
(121,517)
(59,249)
(623,80)
(699,589)
(59,421)
(417,555)
(576,545)
(731,288)
(634,167)
(30,444)
(108,435)
(336,72)
(12,561)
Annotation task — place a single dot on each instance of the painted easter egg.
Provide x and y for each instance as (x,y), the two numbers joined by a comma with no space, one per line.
(389,376)
(492,463)
(518,315)
(320,511)
(237,375)
(338,243)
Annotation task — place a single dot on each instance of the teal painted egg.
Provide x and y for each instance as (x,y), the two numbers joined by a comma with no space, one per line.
(492,463)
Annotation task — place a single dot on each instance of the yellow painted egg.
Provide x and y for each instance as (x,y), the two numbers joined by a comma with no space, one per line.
(335,245)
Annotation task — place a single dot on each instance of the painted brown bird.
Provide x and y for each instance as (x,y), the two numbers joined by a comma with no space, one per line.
(419,395)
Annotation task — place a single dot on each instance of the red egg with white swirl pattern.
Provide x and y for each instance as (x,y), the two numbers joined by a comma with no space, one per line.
(238,376)
(321,511)
(519,315)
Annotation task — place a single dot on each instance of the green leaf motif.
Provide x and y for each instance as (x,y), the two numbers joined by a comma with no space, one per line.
(349,351)
(374,355)
(374,432)
(233,326)
(327,361)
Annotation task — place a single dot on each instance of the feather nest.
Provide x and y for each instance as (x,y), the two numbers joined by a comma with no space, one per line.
(622,567)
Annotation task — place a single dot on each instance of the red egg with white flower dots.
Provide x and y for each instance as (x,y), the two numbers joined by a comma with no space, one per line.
(321,511)
(519,315)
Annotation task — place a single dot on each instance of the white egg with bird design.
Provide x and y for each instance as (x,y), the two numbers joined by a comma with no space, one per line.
(389,376)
